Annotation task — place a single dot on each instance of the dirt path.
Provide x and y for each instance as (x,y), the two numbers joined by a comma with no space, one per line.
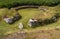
(41,34)
(17,35)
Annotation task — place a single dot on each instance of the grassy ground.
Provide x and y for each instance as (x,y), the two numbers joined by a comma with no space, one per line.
(26,15)
(6,28)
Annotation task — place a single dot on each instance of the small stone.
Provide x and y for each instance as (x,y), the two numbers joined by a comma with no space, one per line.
(21,26)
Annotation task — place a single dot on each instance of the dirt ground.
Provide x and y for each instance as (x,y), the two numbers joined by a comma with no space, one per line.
(40,34)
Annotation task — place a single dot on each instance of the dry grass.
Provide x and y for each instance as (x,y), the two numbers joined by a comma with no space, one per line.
(46,13)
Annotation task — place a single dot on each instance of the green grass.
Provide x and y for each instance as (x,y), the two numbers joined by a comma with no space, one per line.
(26,15)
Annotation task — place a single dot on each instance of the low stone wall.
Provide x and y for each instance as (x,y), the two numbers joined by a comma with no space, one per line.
(24,7)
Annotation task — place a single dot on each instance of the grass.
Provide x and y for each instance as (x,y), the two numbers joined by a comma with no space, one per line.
(26,15)
(6,28)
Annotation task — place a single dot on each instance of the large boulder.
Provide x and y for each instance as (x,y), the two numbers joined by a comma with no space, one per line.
(12,19)
(9,20)
(17,17)
(32,22)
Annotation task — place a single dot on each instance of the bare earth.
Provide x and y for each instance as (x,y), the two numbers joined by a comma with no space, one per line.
(40,34)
